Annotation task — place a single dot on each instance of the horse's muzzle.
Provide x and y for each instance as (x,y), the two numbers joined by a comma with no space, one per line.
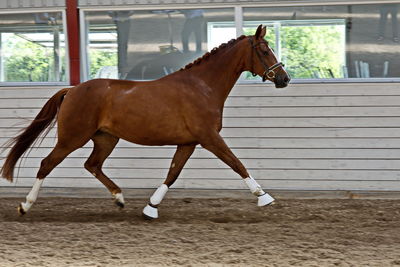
(281,81)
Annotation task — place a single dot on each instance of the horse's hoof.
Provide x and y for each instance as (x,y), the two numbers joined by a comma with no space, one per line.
(119,200)
(265,200)
(21,210)
(146,217)
(150,213)
(119,204)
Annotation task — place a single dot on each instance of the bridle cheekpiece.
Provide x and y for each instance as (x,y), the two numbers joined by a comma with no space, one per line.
(269,72)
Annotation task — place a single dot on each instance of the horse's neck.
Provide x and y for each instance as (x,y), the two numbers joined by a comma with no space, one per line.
(220,72)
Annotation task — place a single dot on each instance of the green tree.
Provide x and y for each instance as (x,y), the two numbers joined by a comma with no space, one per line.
(26,61)
(313,51)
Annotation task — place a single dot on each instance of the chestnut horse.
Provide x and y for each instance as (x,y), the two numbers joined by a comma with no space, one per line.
(183,109)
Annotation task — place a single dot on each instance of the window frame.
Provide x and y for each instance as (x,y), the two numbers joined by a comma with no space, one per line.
(67,66)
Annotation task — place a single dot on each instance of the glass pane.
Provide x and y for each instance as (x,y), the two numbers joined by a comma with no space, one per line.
(32,47)
(314,50)
(331,42)
(148,44)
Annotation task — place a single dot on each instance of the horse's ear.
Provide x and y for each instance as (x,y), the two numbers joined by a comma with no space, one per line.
(261,32)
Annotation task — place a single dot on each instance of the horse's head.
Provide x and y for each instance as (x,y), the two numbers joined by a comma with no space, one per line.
(264,62)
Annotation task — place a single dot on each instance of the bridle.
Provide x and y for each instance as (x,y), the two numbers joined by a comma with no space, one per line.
(269,72)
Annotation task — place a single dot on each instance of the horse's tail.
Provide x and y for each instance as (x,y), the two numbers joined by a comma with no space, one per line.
(28,135)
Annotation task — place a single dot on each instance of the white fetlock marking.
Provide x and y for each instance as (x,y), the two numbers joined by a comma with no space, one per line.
(150,211)
(119,197)
(32,196)
(265,200)
(159,194)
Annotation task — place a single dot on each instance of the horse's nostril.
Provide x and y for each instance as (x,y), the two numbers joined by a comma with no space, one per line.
(286,79)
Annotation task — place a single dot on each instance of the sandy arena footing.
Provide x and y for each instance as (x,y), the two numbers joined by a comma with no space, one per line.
(201,232)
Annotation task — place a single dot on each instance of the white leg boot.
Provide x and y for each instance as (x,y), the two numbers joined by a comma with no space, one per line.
(151,211)
(263,198)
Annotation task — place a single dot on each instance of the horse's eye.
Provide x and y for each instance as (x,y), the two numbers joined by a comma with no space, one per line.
(265,53)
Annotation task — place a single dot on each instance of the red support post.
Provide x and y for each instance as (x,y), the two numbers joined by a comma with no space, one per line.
(73,41)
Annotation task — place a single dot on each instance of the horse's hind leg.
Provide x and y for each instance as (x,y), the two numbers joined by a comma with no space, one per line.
(104,144)
(182,154)
(59,153)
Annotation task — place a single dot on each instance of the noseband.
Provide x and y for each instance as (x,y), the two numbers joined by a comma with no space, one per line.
(269,72)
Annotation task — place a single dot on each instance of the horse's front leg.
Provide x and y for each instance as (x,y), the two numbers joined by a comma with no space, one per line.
(182,154)
(216,145)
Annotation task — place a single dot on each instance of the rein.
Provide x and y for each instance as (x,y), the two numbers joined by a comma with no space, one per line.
(269,72)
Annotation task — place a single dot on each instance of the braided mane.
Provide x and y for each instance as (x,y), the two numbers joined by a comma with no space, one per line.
(212,52)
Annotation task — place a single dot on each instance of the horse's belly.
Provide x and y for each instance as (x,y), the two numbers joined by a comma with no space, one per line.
(152,139)
(156,140)
(153,133)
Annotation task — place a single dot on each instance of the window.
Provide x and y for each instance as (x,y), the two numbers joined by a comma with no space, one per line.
(311,49)
(148,44)
(333,42)
(330,43)
(219,32)
(32,47)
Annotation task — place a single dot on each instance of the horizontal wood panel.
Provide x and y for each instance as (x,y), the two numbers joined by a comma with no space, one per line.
(276,122)
(316,90)
(256,101)
(281,143)
(24,92)
(257,112)
(290,122)
(313,164)
(247,153)
(18,5)
(311,132)
(218,184)
(279,132)
(308,101)
(225,174)
(313,112)
(247,90)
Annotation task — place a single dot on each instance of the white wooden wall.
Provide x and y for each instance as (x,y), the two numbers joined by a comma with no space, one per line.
(16,4)
(306,137)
